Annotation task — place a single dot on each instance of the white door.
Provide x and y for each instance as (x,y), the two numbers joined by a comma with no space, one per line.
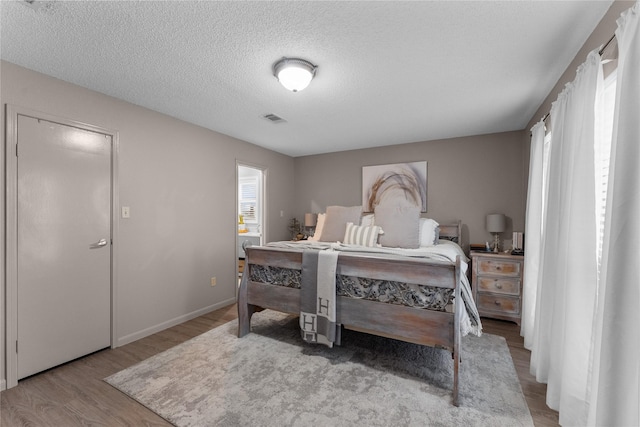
(64,243)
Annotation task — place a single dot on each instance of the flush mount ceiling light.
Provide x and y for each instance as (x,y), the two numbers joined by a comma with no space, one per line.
(294,74)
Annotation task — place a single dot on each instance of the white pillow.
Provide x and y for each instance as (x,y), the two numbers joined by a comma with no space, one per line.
(362,236)
(319,227)
(429,232)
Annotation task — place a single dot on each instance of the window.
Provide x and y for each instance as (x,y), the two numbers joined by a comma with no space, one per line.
(545,175)
(604,134)
(248,199)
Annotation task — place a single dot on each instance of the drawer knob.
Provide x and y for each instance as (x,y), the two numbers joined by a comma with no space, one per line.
(497,302)
(498,285)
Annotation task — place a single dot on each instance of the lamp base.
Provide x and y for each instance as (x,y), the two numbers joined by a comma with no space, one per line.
(496,243)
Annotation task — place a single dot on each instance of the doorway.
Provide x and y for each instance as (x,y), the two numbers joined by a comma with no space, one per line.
(60,197)
(250,209)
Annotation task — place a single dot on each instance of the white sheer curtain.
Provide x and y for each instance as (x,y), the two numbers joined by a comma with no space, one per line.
(615,396)
(568,274)
(533,232)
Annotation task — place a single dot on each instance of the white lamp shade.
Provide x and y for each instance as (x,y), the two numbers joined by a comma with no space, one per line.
(496,223)
(310,219)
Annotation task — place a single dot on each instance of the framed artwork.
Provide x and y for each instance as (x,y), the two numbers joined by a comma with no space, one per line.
(399,183)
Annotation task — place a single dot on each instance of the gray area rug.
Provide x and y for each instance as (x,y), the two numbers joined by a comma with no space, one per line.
(272,378)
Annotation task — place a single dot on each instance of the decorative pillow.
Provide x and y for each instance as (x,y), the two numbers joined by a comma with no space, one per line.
(367,220)
(401,225)
(361,236)
(335,222)
(429,232)
(319,226)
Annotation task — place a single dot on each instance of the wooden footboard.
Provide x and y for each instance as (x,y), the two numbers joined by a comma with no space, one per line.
(415,325)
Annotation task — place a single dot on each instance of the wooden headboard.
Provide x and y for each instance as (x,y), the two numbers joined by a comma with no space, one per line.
(451,232)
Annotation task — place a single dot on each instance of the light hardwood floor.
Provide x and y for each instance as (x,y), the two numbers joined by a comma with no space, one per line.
(74,394)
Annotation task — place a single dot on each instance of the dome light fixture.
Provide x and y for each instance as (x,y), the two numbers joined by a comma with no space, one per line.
(294,74)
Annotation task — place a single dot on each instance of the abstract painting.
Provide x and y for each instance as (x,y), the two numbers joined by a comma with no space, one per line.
(400,184)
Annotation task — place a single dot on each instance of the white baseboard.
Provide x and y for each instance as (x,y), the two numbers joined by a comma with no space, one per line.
(3,385)
(173,322)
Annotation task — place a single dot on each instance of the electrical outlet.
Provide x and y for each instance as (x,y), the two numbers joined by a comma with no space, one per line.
(126,212)
(213,281)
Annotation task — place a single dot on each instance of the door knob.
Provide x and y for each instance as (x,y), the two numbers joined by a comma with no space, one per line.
(100,243)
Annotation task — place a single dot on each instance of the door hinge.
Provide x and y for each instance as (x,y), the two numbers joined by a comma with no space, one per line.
(16,150)
(16,346)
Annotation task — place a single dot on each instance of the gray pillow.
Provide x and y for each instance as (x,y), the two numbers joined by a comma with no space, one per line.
(335,222)
(401,225)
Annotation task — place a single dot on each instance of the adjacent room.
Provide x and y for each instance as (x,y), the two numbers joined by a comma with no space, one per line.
(319,213)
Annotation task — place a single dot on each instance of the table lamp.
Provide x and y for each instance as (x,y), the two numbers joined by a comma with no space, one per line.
(310,220)
(496,224)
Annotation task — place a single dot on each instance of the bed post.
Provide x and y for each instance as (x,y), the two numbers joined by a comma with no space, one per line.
(245,310)
(456,333)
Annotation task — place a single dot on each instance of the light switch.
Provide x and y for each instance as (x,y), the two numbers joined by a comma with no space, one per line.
(125,212)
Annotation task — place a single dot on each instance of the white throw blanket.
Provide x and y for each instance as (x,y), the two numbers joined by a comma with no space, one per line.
(318,297)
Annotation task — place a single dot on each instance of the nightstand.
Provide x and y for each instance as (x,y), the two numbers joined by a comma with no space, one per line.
(496,280)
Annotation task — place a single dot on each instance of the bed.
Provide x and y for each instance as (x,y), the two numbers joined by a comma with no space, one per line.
(271,281)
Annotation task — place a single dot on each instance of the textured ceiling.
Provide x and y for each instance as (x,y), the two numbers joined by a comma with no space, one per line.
(388,72)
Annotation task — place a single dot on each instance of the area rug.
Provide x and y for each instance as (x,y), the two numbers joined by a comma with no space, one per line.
(272,378)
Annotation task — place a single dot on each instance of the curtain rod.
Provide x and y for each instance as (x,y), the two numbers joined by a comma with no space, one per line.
(606,45)
(600,52)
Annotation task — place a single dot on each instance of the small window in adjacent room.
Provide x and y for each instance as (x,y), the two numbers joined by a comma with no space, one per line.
(248,200)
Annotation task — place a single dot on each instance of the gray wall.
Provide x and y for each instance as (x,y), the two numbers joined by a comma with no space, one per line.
(468,178)
(179,180)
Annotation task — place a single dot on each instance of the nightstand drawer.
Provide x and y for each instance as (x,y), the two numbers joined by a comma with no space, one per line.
(499,285)
(499,304)
(498,267)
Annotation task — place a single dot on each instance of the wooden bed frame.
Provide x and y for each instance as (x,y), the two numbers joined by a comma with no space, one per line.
(416,325)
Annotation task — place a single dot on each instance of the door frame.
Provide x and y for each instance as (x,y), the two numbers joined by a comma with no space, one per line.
(264,201)
(11,192)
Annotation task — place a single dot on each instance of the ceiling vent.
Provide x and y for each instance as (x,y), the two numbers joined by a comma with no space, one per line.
(273,118)
(41,6)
